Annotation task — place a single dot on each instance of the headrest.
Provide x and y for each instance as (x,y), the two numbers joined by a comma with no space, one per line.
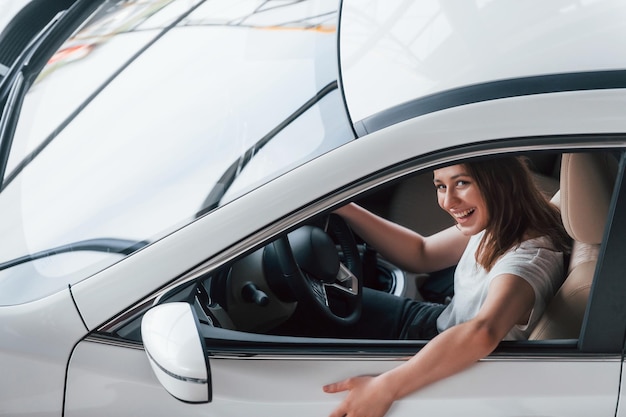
(587,181)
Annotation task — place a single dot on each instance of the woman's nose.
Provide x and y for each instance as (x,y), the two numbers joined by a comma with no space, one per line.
(449,199)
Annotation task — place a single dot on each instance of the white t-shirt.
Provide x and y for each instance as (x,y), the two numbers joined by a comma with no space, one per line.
(534,260)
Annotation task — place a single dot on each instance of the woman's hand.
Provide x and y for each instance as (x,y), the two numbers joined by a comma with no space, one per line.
(367,397)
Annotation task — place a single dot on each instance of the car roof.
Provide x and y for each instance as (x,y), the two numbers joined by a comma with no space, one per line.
(395,51)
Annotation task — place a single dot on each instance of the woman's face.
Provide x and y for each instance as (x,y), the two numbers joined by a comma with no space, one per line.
(459,195)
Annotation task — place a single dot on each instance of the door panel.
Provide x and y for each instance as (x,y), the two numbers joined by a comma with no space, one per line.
(105,379)
(491,388)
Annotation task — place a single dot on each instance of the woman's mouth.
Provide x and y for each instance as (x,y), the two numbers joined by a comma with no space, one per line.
(463,215)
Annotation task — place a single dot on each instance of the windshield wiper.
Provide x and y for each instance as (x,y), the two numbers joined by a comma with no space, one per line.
(232,172)
(109,245)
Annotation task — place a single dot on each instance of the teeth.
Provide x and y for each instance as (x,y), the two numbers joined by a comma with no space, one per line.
(463,213)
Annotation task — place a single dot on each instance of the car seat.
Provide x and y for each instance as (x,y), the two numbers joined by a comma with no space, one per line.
(586,185)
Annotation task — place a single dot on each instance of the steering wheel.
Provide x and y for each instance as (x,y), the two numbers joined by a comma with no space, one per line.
(304,266)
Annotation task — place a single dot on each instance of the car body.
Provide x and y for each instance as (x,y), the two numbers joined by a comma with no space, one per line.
(152,151)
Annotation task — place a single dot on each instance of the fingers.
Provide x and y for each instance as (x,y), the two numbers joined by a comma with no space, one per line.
(346,384)
(336,387)
(365,399)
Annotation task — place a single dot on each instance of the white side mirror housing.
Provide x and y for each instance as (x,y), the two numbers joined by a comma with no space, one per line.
(176,351)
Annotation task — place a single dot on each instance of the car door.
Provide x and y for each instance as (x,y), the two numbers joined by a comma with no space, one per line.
(266,375)
(111,379)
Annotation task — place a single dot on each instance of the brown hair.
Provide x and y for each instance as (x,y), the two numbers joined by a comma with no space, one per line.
(516,208)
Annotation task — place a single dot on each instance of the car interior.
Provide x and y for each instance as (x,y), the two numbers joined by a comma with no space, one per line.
(271,289)
(581,184)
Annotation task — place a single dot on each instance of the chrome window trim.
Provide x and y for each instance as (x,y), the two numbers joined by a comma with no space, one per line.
(356,357)
(508,358)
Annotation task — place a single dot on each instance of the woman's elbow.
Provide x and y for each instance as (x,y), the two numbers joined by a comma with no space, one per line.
(486,336)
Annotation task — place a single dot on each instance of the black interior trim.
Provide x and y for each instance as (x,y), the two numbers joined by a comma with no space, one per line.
(235,343)
(542,84)
(605,319)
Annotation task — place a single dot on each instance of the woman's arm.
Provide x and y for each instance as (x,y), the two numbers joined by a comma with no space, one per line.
(508,303)
(404,247)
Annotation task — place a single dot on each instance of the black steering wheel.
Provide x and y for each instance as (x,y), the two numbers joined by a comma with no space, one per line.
(305,266)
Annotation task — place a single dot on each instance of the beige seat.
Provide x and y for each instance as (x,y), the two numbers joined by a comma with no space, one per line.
(586,183)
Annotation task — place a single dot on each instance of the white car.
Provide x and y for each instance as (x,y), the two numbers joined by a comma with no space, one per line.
(164,165)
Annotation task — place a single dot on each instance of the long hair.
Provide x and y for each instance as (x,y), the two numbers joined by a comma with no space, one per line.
(516,208)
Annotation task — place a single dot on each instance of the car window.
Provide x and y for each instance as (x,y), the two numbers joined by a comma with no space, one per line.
(138,117)
(221,300)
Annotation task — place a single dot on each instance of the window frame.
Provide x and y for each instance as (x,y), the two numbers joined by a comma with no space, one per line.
(601,335)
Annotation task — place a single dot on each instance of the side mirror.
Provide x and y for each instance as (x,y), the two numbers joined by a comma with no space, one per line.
(176,352)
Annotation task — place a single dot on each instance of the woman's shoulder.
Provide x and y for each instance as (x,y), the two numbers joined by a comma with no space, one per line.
(534,258)
(531,250)
(538,242)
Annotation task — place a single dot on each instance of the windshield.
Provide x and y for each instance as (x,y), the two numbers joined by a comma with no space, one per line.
(154,113)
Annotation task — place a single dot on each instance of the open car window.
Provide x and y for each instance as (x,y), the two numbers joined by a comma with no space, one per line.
(247,304)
